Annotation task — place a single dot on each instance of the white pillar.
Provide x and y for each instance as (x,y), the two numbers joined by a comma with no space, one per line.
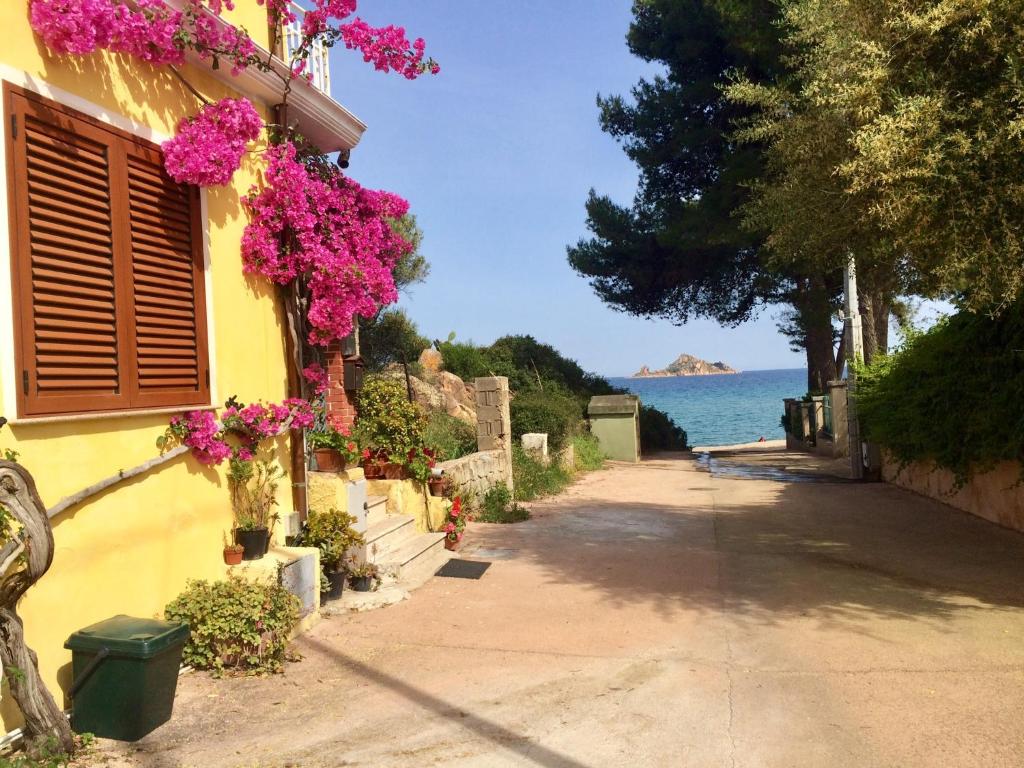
(854,351)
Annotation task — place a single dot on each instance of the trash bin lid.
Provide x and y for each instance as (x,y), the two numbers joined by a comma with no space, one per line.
(129,636)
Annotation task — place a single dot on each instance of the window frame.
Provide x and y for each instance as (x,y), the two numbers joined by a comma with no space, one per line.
(128,400)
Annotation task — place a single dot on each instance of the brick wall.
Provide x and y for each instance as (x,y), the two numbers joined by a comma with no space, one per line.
(341,405)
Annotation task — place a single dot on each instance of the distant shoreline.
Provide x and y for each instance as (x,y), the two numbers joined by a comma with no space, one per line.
(680,375)
(690,376)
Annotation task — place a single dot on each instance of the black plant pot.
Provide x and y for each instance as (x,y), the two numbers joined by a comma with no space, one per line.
(337,580)
(254,542)
(362,583)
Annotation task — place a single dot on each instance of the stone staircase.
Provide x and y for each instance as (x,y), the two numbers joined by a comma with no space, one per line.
(404,556)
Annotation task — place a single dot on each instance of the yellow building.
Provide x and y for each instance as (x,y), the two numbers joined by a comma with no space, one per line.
(94,364)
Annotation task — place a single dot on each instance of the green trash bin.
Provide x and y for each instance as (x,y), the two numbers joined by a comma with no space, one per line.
(125,672)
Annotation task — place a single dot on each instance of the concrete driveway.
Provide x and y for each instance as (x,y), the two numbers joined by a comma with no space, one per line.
(659,615)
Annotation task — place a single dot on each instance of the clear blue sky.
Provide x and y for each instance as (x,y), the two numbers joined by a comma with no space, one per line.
(496,156)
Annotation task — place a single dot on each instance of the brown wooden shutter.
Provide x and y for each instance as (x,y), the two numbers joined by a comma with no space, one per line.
(107,265)
(64,230)
(168,296)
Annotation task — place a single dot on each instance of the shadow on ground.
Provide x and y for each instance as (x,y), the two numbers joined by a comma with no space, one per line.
(767,550)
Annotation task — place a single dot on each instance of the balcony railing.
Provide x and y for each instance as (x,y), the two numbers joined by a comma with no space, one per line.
(317,65)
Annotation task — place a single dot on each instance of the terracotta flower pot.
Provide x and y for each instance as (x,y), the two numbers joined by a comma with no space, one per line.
(329,460)
(436,485)
(394,471)
(451,544)
(372,470)
(232,556)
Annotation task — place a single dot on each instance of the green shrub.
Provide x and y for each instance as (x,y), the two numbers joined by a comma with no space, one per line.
(332,533)
(449,437)
(497,507)
(953,395)
(387,421)
(534,480)
(235,624)
(550,411)
(658,432)
(466,360)
(588,453)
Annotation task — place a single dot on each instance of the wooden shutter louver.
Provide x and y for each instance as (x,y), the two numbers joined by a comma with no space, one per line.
(107,268)
(170,334)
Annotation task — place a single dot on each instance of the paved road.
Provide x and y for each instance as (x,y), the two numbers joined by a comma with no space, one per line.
(658,615)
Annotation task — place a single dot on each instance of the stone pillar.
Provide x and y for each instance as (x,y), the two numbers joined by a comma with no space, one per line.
(494,424)
(341,403)
(840,436)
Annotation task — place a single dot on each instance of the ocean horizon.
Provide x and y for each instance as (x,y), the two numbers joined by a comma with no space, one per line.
(722,409)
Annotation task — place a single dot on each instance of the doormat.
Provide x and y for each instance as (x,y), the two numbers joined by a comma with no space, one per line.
(463,569)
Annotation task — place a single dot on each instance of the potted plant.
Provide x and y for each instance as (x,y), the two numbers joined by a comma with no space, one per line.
(437,484)
(373,465)
(361,575)
(420,463)
(232,553)
(389,424)
(454,525)
(253,485)
(333,448)
(332,533)
(325,451)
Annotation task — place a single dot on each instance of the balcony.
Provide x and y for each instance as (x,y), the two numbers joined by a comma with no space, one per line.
(317,65)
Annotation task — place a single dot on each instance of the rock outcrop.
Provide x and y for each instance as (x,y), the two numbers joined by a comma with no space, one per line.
(439,390)
(686,365)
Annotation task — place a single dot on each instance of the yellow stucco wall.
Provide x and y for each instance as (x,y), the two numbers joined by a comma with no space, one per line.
(132,549)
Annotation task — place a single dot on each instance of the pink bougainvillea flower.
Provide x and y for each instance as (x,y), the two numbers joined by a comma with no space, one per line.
(209,146)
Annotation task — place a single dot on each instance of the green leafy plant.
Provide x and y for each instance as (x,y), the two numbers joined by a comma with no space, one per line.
(235,624)
(551,411)
(420,462)
(357,570)
(658,432)
(533,479)
(253,486)
(588,453)
(953,395)
(335,440)
(449,437)
(332,533)
(497,507)
(387,421)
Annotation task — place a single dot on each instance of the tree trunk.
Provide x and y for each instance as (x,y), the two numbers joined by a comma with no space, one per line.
(875,308)
(819,338)
(44,720)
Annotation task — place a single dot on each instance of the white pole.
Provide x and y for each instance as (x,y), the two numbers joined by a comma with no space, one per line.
(854,351)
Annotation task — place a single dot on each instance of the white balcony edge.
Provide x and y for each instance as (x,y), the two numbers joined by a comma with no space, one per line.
(322,120)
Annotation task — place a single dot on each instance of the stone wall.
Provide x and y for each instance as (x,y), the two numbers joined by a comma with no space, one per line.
(478,472)
(494,424)
(996,496)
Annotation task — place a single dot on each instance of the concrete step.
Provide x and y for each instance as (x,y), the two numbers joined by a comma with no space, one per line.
(376,509)
(415,561)
(388,535)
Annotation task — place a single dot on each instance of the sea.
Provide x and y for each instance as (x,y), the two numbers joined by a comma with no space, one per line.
(723,409)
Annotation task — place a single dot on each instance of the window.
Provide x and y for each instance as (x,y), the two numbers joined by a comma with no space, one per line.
(107,267)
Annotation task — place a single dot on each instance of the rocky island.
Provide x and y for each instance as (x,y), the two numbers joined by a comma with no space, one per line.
(686,365)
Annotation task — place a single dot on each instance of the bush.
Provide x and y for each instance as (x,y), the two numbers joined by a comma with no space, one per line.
(449,437)
(332,533)
(953,395)
(387,421)
(588,453)
(466,360)
(550,411)
(534,480)
(235,624)
(658,432)
(497,507)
